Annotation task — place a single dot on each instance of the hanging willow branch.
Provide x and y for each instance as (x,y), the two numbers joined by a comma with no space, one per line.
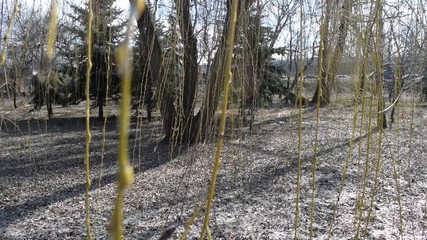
(9,28)
(228,78)
(52,29)
(87,110)
(125,170)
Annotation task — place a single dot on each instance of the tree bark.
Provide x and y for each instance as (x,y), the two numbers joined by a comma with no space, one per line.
(151,49)
(382,120)
(190,65)
(184,126)
(205,117)
(330,66)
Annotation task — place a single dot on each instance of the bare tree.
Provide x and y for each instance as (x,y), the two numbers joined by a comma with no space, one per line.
(180,122)
(332,49)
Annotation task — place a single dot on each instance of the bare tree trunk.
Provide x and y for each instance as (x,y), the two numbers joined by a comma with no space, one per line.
(15,90)
(205,117)
(382,120)
(331,65)
(191,73)
(398,79)
(177,126)
(324,52)
(424,89)
(50,92)
(152,50)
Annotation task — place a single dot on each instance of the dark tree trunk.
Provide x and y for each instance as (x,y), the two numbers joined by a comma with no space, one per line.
(100,111)
(294,99)
(50,92)
(149,99)
(152,50)
(323,90)
(190,64)
(205,117)
(331,65)
(15,90)
(100,101)
(396,89)
(362,86)
(424,92)
(190,127)
(382,120)
(397,81)
(325,97)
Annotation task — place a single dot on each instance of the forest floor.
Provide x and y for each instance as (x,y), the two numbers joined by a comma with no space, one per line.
(42,177)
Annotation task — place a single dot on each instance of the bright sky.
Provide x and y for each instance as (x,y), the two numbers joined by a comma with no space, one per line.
(124,4)
(45,4)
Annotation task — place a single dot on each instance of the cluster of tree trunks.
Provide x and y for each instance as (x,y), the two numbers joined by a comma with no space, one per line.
(330,55)
(180,122)
(44,93)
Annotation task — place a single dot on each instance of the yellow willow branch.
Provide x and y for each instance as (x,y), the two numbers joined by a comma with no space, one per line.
(125,170)
(88,135)
(193,217)
(52,29)
(297,190)
(316,140)
(9,28)
(228,78)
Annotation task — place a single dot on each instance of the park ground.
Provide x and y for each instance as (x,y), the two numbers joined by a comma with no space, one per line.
(42,177)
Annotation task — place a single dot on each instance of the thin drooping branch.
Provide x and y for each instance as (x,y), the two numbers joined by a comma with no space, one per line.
(151,48)
(186,127)
(331,64)
(190,75)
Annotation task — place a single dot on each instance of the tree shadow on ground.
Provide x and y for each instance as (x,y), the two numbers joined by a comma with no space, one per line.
(263,177)
(261,180)
(63,157)
(36,126)
(62,146)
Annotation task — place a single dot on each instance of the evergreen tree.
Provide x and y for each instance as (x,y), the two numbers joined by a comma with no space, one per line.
(256,65)
(106,31)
